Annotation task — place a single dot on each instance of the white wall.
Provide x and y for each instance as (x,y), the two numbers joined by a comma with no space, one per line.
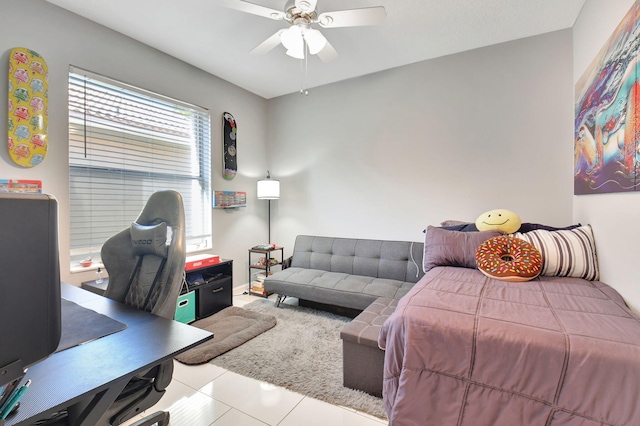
(385,155)
(614,217)
(64,39)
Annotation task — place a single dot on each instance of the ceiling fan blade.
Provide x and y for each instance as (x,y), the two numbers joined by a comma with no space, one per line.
(267,45)
(328,53)
(306,5)
(254,9)
(352,17)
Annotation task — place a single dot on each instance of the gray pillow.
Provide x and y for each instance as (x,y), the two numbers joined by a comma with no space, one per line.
(452,222)
(149,239)
(453,248)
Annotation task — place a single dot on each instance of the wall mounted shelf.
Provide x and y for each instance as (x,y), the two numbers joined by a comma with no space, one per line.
(229,199)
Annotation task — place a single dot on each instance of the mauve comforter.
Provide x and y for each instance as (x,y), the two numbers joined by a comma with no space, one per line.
(464,349)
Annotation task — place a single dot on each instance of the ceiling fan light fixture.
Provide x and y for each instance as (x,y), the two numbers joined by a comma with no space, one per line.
(315,40)
(291,38)
(296,53)
(301,15)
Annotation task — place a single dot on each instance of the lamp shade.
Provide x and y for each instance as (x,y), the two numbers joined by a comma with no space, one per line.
(296,53)
(315,40)
(268,189)
(292,40)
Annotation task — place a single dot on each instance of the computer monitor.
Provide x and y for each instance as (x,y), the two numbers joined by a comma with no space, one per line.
(29,282)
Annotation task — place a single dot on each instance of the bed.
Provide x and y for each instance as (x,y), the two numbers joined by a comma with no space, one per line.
(466,349)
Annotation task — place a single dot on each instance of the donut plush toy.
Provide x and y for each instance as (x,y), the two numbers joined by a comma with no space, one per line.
(499,220)
(508,258)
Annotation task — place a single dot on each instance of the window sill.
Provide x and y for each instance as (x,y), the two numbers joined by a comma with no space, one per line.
(77,268)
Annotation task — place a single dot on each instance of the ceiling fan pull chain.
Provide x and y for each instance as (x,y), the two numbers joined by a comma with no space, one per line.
(306,68)
(304,73)
(301,78)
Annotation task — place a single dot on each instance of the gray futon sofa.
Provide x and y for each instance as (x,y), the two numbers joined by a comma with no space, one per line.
(348,272)
(365,276)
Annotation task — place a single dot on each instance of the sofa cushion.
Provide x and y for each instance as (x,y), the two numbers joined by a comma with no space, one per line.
(365,328)
(396,260)
(362,359)
(335,288)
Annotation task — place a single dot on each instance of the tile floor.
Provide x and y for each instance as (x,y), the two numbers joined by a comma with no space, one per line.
(205,395)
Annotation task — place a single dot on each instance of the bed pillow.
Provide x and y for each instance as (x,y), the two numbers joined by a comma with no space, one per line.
(458,225)
(452,248)
(528,227)
(467,227)
(149,239)
(453,222)
(508,258)
(566,253)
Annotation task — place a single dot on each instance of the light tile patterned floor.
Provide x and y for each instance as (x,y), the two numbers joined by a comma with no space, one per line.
(206,395)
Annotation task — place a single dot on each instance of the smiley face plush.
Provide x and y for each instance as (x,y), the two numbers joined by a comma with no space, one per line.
(499,220)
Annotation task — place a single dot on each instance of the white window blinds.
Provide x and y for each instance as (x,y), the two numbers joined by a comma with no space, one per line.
(124,145)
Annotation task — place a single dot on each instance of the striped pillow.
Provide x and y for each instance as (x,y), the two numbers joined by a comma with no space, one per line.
(568,253)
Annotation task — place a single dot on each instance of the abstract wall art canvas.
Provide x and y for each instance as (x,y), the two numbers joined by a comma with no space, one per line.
(607,115)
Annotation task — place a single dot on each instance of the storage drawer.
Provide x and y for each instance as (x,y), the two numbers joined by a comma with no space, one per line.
(186,308)
(214,296)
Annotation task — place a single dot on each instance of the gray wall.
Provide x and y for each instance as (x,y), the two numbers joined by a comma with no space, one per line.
(385,155)
(64,39)
(381,156)
(614,217)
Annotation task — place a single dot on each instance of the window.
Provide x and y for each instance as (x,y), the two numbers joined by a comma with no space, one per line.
(124,145)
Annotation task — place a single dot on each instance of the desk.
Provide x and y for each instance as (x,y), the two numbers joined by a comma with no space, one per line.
(96,372)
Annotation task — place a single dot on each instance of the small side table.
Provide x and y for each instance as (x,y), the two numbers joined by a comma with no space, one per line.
(97,288)
(263,266)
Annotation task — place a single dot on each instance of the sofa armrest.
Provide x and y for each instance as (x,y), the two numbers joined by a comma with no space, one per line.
(286,263)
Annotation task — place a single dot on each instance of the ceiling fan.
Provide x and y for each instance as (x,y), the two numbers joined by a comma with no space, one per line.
(301,15)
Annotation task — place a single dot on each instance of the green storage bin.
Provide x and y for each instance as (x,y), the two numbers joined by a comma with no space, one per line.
(186,307)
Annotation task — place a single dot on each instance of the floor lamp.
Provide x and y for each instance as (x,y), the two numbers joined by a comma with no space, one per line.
(269,189)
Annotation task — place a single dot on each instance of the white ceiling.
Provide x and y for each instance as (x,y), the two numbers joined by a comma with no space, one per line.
(218,40)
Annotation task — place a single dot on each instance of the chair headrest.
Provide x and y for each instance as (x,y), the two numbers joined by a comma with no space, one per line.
(163,206)
(149,239)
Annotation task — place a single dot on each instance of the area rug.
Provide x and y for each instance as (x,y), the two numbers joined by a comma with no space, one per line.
(302,353)
(231,327)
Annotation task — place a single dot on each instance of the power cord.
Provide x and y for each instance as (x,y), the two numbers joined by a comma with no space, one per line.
(413,260)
